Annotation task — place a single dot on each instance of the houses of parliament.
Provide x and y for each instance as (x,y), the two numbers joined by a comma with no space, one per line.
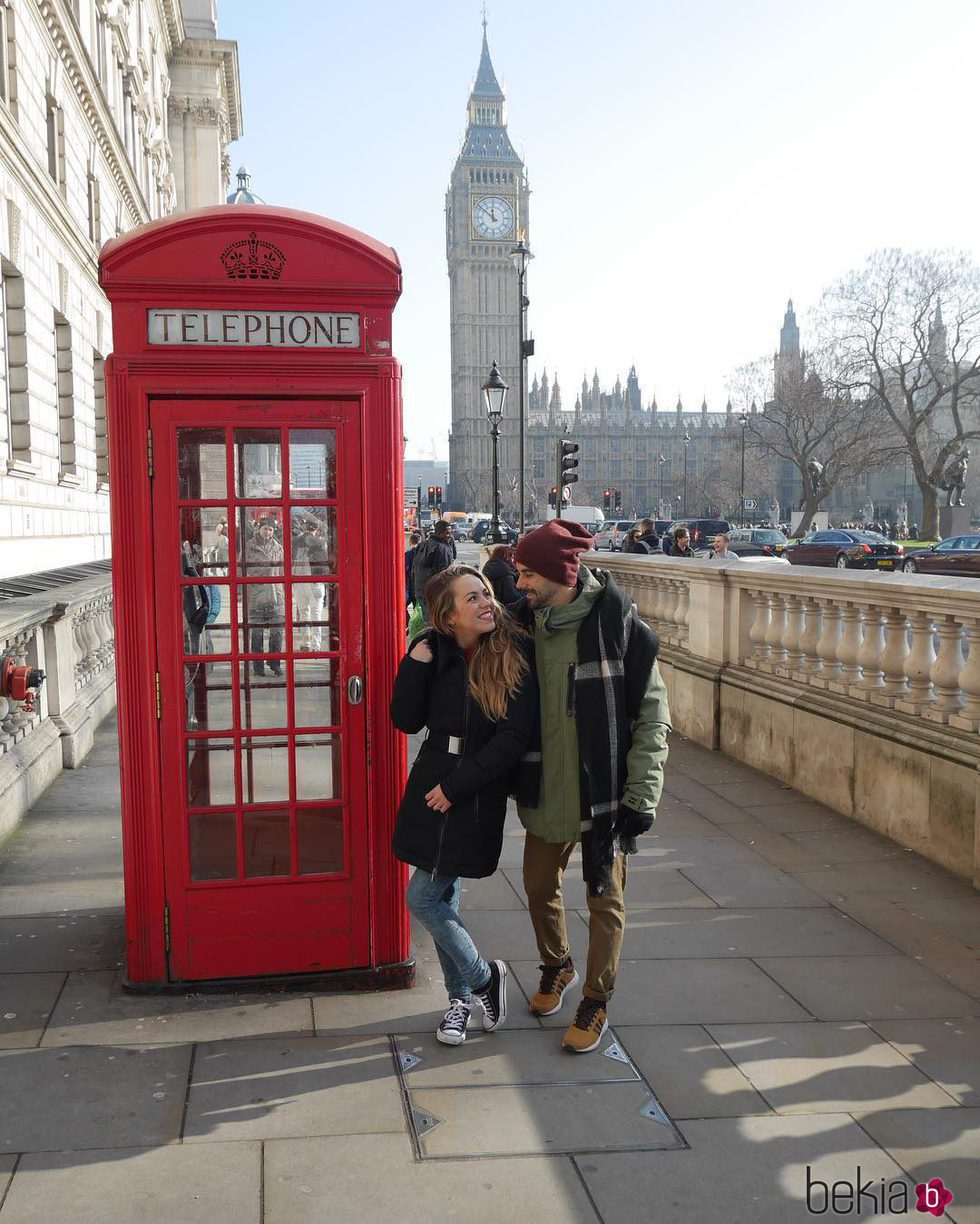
(635,448)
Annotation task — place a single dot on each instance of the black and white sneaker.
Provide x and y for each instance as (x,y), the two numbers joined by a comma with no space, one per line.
(493,997)
(452,1028)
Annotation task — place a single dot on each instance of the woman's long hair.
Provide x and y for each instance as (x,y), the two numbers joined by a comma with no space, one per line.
(499,665)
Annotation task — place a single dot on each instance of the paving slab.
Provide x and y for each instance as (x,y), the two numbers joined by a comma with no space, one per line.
(744,885)
(898,880)
(26,1003)
(646,888)
(679,853)
(7,1164)
(826,1068)
(738,1171)
(508,935)
(769,844)
(492,893)
(692,1076)
(263,1089)
(183,1183)
(539,1120)
(868,987)
(816,931)
(948,1051)
(95,1010)
(930,1143)
(681,991)
(720,812)
(675,819)
(753,792)
(92,1097)
(309,1180)
(41,897)
(856,845)
(711,768)
(418,1010)
(506,1057)
(76,941)
(797,815)
(959,915)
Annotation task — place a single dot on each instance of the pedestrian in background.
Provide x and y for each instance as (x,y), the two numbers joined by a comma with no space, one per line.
(502,574)
(414,540)
(468,680)
(642,538)
(432,556)
(603,744)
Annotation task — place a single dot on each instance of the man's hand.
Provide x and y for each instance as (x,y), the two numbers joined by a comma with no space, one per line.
(421,651)
(629,825)
(436,799)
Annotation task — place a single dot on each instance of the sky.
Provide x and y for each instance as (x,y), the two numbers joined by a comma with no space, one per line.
(692,165)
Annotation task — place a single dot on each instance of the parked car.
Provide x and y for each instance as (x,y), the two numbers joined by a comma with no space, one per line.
(479,532)
(613,534)
(959,555)
(747,552)
(767,538)
(845,550)
(703,531)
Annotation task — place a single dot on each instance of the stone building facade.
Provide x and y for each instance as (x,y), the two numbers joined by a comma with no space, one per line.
(112,113)
(486,213)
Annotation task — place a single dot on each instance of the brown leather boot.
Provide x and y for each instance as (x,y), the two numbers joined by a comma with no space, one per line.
(555,980)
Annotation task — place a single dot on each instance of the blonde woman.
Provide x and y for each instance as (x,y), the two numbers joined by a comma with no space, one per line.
(468,680)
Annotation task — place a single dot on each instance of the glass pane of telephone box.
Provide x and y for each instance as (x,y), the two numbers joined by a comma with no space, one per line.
(260,618)
(258,463)
(316,692)
(319,767)
(264,695)
(210,772)
(319,840)
(316,616)
(201,468)
(213,847)
(208,695)
(261,553)
(312,463)
(265,769)
(314,540)
(268,848)
(204,541)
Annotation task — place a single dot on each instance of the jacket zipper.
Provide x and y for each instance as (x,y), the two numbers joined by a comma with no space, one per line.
(466,731)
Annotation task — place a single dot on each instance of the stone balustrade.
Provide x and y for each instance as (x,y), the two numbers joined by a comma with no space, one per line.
(860,689)
(67,632)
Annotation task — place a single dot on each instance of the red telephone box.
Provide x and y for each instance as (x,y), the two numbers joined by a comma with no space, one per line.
(255,447)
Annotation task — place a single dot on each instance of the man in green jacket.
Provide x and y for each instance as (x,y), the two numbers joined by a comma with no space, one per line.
(604,726)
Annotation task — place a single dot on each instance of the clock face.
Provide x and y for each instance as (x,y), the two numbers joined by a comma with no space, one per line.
(493,217)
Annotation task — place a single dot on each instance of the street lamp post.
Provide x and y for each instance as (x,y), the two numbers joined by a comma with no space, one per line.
(495,392)
(660,498)
(521,256)
(743,420)
(687,443)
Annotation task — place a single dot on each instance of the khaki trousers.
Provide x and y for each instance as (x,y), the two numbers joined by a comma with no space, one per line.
(544,867)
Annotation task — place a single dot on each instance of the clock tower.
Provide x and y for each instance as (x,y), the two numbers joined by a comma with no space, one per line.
(486,212)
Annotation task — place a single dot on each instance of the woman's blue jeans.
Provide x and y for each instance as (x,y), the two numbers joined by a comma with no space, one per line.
(435,902)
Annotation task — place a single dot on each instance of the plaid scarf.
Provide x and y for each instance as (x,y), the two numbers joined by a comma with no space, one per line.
(616,653)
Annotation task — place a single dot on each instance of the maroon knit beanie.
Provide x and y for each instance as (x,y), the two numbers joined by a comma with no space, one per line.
(552,550)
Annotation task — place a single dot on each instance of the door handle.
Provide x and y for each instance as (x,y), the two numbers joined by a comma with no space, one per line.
(355,690)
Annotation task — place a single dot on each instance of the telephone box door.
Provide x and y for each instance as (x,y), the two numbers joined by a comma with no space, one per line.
(259,612)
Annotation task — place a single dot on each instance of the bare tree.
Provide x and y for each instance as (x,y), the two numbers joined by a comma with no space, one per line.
(905,330)
(828,435)
(718,486)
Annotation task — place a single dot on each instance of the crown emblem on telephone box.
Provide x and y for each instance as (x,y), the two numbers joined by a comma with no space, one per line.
(251,259)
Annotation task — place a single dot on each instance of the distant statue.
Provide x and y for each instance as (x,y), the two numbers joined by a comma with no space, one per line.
(774,513)
(814,469)
(954,477)
(869,511)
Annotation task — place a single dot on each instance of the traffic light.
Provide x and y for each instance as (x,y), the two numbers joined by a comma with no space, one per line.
(619,501)
(607,499)
(432,497)
(438,495)
(567,463)
(553,497)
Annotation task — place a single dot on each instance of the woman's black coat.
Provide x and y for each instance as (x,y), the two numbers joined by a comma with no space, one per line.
(467,839)
(503,578)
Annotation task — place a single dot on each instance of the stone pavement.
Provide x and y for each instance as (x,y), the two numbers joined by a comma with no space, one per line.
(799,997)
